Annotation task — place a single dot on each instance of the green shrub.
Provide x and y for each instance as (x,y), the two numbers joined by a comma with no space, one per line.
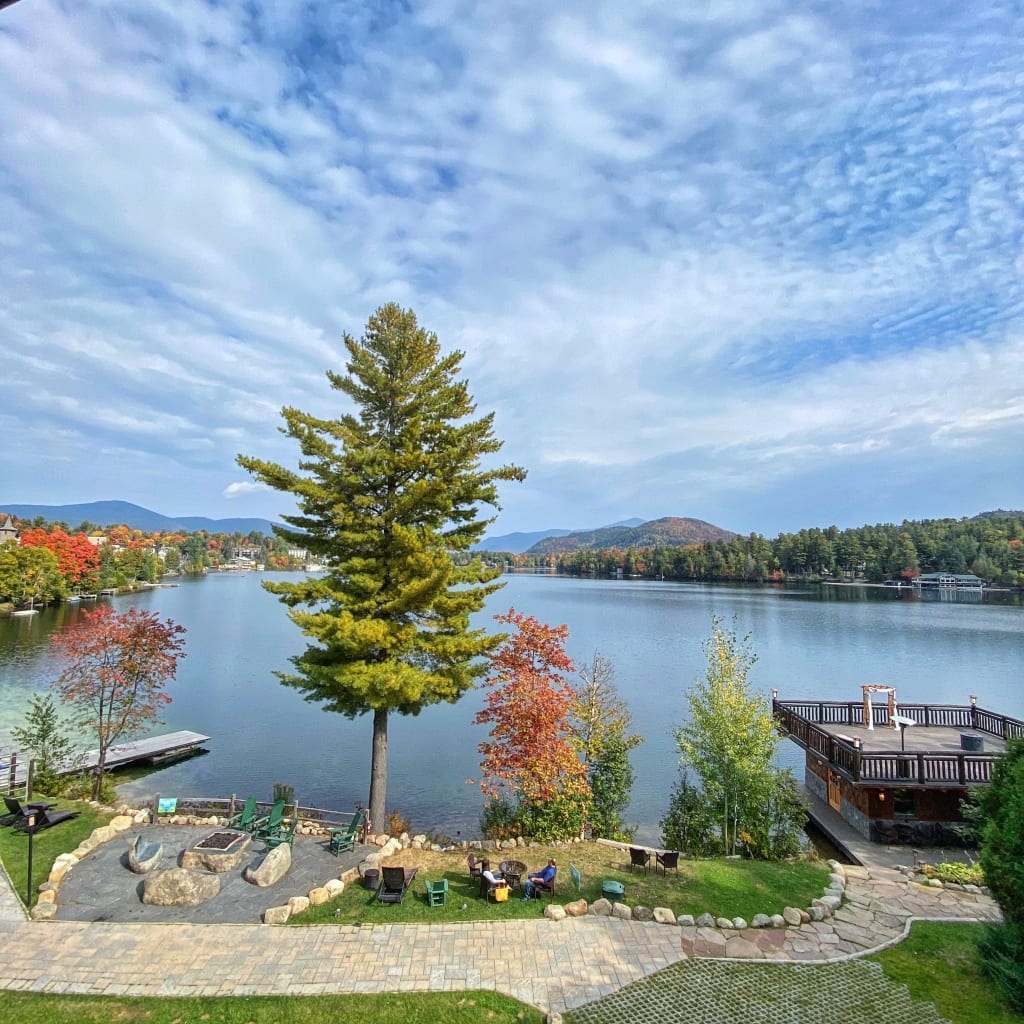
(500,820)
(963,874)
(561,817)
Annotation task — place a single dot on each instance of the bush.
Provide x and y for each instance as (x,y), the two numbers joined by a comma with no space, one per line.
(1002,953)
(561,817)
(500,820)
(80,787)
(690,825)
(397,824)
(962,874)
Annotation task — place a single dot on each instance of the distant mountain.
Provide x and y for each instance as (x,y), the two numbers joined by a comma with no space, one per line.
(517,543)
(124,513)
(667,532)
(1000,514)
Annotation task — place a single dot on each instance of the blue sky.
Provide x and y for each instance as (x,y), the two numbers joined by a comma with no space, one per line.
(760,265)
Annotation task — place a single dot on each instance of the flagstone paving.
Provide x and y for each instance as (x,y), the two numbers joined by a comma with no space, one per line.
(556,966)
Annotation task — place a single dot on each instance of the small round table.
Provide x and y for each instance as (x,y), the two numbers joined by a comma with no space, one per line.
(613,891)
(513,871)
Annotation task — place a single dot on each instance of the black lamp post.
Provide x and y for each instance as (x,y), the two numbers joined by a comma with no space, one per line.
(30,828)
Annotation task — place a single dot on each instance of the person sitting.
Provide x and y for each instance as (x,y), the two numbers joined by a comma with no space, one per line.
(543,878)
(489,879)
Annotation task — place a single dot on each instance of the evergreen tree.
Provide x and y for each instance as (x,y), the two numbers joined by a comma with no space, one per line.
(386,495)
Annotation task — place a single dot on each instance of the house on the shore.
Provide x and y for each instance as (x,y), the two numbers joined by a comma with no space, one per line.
(896,773)
(948,581)
(8,531)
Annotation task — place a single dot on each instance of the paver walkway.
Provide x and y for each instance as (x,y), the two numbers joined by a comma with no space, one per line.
(551,965)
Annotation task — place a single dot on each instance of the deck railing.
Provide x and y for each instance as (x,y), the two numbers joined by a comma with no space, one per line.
(801,720)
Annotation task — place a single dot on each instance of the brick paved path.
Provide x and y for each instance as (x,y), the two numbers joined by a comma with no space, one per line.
(551,965)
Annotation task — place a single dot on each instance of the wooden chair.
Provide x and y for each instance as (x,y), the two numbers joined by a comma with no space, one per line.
(282,835)
(345,838)
(639,858)
(545,888)
(272,824)
(475,866)
(245,820)
(437,892)
(668,859)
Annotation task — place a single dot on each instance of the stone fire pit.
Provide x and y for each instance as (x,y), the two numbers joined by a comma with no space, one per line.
(220,851)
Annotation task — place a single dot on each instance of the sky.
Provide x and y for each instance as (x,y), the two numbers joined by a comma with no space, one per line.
(757,262)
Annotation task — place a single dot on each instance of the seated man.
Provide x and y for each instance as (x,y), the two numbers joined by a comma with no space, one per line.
(488,878)
(544,877)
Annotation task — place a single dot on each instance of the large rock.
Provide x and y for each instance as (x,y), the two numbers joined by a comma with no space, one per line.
(144,855)
(622,912)
(578,908)
(120,823)
(643,914)
(276,915)
(761,921)
(319,896)
(792,916)
(686,921)
(179,887)
(335,887)
(196,857)
(553,912)
(705,921)
(272,868)
(61,866)
(663,915)
(601,907)
(298,905)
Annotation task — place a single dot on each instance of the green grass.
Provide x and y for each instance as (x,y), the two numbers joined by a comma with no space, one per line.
(47,845)
(728,888)
(939,962)
(391,1008)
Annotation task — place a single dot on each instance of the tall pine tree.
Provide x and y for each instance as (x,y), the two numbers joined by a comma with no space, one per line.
(387,493)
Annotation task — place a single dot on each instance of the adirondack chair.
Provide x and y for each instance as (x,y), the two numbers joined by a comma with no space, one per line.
(283,835)
(270,825)
(245,820)
(345,838)
(437,892)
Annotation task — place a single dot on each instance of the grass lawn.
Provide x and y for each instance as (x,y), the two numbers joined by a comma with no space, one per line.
(397,1008)
(939,962)
(47,845)
(721,887)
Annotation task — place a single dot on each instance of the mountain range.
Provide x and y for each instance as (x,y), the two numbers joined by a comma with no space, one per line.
(124,513)
(633,532)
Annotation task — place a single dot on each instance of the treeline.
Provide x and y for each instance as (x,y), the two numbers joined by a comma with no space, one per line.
(990,546)
(50,561)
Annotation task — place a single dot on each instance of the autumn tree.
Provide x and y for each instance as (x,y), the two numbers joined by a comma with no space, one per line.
(729,743)
(28,575)
(77,560)
(600,721)
(530,757)
(387,493)
(115,669)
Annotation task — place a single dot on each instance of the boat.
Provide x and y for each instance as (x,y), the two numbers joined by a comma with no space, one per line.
(25,611)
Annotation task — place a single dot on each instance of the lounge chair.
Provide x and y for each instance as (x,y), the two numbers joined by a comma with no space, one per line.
(16,810)
(45,818)
(345,838)
(394,883)
(639,858)
(245,820)
(668,859)
(437,892)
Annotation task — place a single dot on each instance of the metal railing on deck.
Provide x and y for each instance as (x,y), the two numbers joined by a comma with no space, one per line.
(801,720)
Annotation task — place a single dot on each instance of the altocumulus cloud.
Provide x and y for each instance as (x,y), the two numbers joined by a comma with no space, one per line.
(757,264)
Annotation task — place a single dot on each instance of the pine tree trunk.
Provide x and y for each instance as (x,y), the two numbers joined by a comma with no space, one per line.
(379,772)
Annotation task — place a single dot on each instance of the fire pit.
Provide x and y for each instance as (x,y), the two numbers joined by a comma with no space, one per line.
(219,851)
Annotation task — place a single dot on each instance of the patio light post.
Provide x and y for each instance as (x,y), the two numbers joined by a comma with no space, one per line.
(30,828)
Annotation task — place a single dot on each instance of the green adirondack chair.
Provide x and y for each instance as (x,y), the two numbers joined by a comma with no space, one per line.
(283,835)
(345,838)
(271,825)
(245,820)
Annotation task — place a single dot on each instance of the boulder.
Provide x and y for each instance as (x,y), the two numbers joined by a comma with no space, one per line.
(816,913)
(179,887)
(778,921)
(739,923)
(663,915)
(61,866)
(144,855)
(120,823)
(685,921)
(44,911)
(319,896)
(705,921)
(553,912)
(805,917)
(601,907)
(643,914)
(335,887)
(47,896)
(298,905)
(792,916)
(578,908)
(103,834)
(835,880)
(761,921)
(723,922)
(272,868)
(276,915)
(622,912)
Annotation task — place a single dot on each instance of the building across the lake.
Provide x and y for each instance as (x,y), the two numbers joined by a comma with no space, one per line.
(948,581)
(896,773)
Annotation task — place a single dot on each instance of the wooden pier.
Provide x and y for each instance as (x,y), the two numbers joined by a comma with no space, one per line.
(152,750)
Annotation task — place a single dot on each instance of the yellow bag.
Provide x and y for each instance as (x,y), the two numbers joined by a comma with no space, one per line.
(501,894)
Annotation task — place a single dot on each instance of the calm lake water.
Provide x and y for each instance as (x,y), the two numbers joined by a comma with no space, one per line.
(811,642)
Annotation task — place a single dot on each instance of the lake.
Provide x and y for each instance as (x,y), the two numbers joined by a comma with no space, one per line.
(811,641)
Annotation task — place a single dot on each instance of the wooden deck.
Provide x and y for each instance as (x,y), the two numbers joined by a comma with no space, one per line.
(929,752)
(154,749)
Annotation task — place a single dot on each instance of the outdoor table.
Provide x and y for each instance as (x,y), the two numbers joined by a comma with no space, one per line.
(612,890)
(513,871)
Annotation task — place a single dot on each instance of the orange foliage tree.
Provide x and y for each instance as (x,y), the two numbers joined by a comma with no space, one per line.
(77,560)
(529,757)
(115,668)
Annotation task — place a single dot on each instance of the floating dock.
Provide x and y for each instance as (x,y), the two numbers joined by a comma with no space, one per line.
(171,746)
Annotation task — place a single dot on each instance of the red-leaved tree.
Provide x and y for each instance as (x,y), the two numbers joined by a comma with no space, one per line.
(115,668)
(77,559)
(529,756)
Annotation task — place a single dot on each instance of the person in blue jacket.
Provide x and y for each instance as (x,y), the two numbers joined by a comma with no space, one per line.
(545,877)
